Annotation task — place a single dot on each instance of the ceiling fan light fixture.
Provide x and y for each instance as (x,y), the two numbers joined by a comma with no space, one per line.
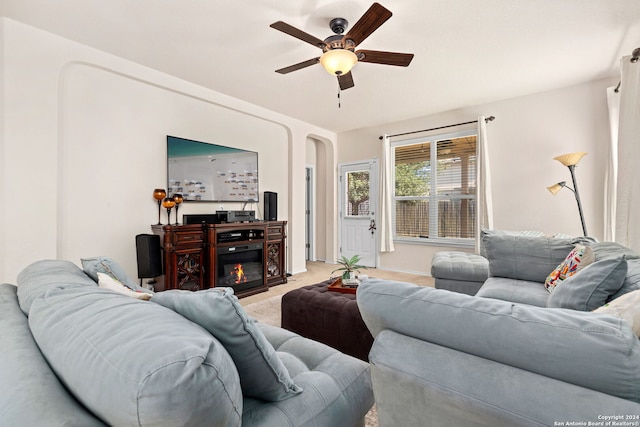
(338,62)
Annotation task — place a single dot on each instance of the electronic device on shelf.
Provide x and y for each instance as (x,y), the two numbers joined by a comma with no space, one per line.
(236,216)
(201,219)
(239,235)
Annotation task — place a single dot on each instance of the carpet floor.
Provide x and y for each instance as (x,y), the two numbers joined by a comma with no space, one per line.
(318,271)
(265,307)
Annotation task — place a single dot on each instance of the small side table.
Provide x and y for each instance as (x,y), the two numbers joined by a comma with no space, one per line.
(332,318)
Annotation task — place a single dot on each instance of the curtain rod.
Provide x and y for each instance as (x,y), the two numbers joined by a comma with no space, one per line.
(488,119)
(635,55)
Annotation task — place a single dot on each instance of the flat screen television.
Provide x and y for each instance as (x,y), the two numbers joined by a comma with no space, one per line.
(206,172)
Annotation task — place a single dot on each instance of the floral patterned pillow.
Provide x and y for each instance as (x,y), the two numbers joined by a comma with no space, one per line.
(578,258)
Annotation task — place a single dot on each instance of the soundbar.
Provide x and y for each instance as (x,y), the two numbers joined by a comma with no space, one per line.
(201,219)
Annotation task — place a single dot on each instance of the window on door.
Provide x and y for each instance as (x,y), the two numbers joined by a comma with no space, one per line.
(435,188)
(358,193)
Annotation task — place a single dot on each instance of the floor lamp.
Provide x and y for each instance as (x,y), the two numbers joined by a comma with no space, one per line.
(570,160)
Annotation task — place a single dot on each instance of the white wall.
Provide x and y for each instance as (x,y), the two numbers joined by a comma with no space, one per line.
(527,133)
(84,146)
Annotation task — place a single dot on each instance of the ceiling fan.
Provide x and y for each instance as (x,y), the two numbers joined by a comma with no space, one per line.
(339,54)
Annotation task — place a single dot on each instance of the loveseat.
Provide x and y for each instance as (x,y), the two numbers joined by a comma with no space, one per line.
(514,354)
(74,353)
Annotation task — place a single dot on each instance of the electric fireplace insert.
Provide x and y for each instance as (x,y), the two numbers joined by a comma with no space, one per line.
(240,267)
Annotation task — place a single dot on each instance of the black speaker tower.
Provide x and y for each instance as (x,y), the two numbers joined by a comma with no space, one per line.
(270,206)
(149,256)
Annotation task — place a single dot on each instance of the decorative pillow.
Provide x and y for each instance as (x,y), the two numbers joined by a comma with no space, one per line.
(590,288)
(108,266)
(578,258)
(626,307)
(262,373)
(108,282)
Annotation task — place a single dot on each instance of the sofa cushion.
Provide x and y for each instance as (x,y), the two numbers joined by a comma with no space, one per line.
(40,276)
(165,371)
(524,258)
(262,373)
(513,290)
(558,343)
(578,258)
(337,387)
(626,307)
(107,265)
(608,250)
(526,233)
(31,394)
(590,288)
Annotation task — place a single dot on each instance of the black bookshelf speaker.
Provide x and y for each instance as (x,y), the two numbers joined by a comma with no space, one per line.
(270,206)
(149,255)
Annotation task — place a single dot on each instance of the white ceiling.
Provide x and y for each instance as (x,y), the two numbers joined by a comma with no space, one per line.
(467,52)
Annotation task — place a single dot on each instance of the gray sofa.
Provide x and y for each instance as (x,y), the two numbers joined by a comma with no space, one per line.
(74,354)
(503,357)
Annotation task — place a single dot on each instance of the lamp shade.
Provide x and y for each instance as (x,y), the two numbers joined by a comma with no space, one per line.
(556,187)
(570,159)
(338,61)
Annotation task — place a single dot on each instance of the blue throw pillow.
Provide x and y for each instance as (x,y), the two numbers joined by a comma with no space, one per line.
(591,287)
(262,373)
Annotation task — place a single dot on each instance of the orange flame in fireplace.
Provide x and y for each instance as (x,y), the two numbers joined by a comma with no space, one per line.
(238,274)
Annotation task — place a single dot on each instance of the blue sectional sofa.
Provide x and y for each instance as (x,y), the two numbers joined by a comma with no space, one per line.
(75,354)
(514,354)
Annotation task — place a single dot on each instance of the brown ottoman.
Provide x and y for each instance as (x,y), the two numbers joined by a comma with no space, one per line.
(329,317)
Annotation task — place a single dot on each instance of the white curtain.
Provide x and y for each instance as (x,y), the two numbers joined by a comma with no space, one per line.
(627,226)
(484,200)
(611,178)
(386,222)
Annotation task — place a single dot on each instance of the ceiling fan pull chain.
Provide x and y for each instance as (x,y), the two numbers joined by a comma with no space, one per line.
(339,105)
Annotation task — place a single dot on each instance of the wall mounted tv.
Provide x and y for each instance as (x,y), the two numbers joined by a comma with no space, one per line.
(206,172)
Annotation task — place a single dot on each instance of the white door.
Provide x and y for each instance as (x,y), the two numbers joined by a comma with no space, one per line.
(358,211)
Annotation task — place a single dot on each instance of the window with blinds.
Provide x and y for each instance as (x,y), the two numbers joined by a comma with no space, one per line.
(435,187)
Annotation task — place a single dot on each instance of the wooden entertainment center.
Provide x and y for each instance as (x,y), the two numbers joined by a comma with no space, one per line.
(248,256)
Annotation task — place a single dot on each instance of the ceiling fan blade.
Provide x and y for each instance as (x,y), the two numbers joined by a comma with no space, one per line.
(368,23)
(346,81)
(298,66)
(299,34)
(388,58)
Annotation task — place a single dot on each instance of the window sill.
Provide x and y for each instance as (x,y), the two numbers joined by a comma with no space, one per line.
(457,243)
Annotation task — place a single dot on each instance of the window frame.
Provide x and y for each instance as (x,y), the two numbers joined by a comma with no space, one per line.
(434,196)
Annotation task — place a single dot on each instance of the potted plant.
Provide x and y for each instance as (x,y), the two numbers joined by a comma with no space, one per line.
(349,265)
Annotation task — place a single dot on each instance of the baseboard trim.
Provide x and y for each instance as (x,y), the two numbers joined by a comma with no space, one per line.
(419,273)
